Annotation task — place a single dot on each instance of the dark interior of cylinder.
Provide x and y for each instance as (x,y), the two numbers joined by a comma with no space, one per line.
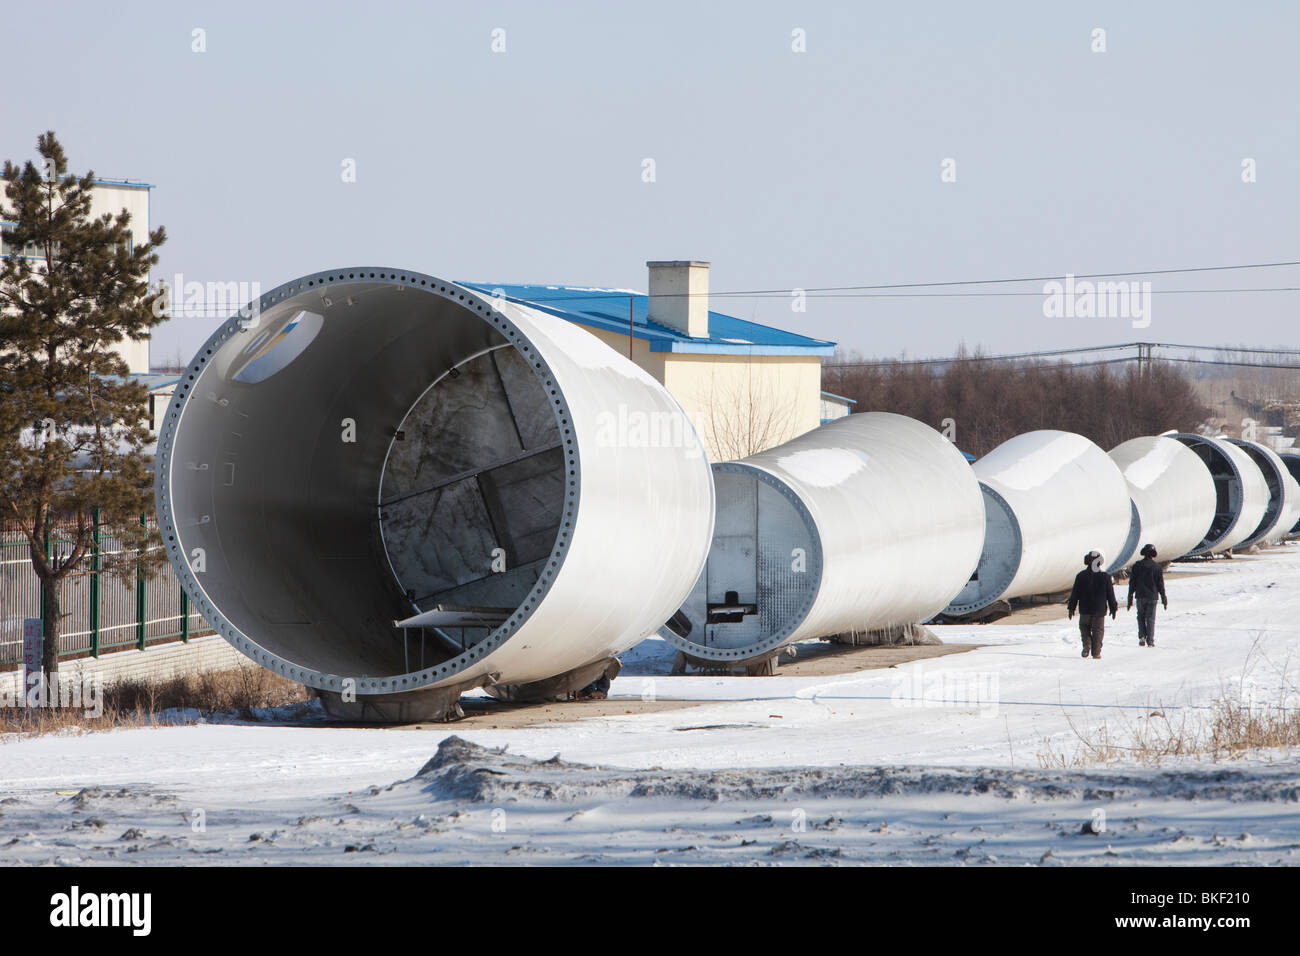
(405,457)
(472,494)
(1292,463)
(1274,482)
(1227,489)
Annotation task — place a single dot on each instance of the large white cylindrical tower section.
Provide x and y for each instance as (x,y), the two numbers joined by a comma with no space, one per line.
(869,521)
(1172,492)
(1283,507)
(1241,493)
(380,445)
(1050,497)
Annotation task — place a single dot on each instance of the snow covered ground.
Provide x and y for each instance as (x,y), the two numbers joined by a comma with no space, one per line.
(937,761)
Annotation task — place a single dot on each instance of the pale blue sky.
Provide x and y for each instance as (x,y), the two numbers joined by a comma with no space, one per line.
(783,169)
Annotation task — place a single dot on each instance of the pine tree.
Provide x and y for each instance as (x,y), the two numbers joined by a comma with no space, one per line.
(74,428)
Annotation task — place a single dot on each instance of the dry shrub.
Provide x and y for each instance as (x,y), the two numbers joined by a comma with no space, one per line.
(134,701)
(1233,730)
(1237,730)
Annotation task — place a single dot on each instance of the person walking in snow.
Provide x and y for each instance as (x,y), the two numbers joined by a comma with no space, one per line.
(1093,594)
(1146,582)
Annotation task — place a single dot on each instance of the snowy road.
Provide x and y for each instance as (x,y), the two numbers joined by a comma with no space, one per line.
(1023,698)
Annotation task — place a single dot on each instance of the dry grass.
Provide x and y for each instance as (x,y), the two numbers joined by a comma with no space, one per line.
(136,702)
(1231,730)
(1233,725)
(1237,730)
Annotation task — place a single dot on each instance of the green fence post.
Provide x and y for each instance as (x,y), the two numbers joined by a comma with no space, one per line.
(185,616)
(49,558)
(94,589)
(140,606)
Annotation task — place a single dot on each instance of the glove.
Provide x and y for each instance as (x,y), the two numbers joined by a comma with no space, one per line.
(1112,614)
(1070,617)
(1165,602)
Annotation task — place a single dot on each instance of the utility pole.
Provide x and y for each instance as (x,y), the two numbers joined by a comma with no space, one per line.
(1143,358)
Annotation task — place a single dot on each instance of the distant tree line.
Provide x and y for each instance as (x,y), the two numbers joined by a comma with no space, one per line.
(984,402)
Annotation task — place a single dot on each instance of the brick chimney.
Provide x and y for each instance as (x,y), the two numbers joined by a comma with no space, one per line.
(679,296)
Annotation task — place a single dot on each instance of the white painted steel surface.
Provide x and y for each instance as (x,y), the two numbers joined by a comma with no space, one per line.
(1172,491)
(1241,493)
(1283,494)
(272,514)
(1050,497)
(881,512)
(1292,461)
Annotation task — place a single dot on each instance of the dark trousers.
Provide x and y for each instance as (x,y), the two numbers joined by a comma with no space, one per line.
(1092,627)
(1146,621)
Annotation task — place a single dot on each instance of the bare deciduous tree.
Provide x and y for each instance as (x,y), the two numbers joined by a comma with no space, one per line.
(991,401)
(745,414)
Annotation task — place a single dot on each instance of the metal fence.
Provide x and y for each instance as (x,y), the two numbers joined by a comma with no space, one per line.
(102,613)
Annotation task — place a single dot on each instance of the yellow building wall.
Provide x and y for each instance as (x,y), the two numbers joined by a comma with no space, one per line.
(743,404)
(740,404)
(106,198)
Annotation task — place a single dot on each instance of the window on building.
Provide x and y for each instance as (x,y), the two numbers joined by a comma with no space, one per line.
(7,248)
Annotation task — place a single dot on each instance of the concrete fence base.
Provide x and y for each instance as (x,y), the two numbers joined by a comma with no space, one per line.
(161,662)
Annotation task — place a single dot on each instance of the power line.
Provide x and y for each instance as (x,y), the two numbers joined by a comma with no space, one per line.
(202,312)
(1195,361)
(1227,348)
(1111,361)
(983,358)
(1091,275)
(1056,353)
(880,290)
(966,295)
(588,296)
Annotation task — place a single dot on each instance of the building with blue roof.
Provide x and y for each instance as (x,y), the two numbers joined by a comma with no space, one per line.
(746,386)
(836,406)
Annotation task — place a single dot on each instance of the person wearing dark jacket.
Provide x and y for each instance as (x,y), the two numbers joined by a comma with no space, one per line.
(1146,582)
(1093,595)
